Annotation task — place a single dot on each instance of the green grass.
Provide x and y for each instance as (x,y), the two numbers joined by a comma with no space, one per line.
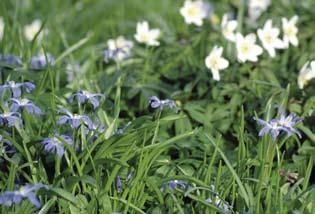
(212,141)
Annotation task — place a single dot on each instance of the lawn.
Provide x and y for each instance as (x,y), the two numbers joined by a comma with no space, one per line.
(157,106)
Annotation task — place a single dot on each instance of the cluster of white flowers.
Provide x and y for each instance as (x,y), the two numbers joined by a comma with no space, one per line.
(194,12)
(246,47)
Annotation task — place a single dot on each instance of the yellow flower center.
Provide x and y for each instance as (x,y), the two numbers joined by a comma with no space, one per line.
(268,38)
(192,11)
(144,37)
(291,31)
(245,48)
(214,62)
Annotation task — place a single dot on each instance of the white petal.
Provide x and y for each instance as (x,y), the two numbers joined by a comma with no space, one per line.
(260,34)
(207,61)
(279,44)
(155,33)
(251,38)
(223,64)
(268,24)
(239,38)
(257,50)
(294,41)
(241,57)
(284,22)
(215,74)
(271,51)
(233,24)
(219,51)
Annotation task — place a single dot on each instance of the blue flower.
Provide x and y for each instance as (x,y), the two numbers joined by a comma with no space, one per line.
(84,96)
(10,119)
(74,120)
(39,62)
(16,88)
(275,126)
(155,102)
(173,184)
(25,192)
(25,104)
(57,143)
(288,123)
(271,127)
(11,60)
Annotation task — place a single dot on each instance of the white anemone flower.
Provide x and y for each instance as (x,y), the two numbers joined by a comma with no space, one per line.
(228,28)
(1,28)
(306,74)
(290,31)
(146,35)
(194,12)
(32,29)
(246,48)
(215,62)
(119,49)
(269,38)
(256,8)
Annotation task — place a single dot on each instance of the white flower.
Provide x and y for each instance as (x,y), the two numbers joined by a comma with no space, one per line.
(215,62)
(194,12)
(256,8)
(118,49)
(306,74)
(228,28)
(32,29)
(269,38)
(290,31)
(246,48)
(147,36)
(1,28)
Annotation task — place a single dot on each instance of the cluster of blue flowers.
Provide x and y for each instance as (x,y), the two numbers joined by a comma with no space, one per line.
(12,117)
(13,106)
(58,141)
(38,62)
